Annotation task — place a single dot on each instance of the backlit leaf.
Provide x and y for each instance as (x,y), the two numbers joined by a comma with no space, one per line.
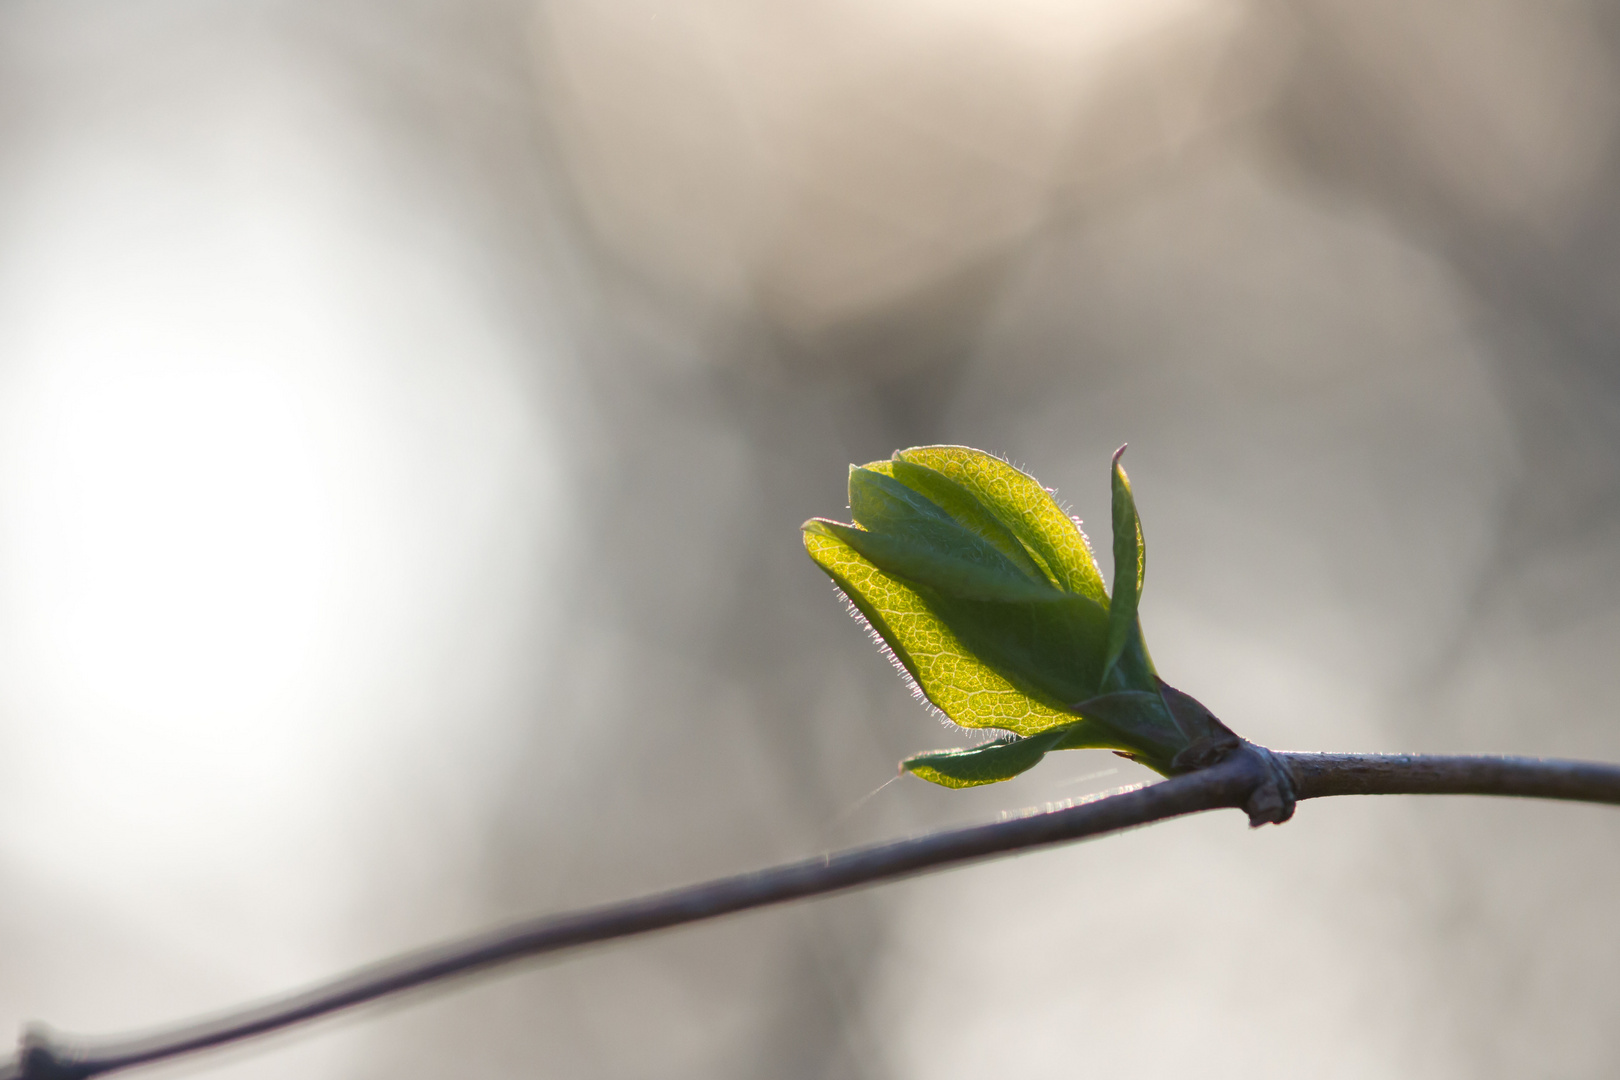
(962,686)
(1026,508)
(1130,565)
(912,537)
(986,764)
(986,594)
(966,508)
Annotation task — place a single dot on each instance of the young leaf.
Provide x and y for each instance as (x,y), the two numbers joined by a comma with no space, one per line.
(1024,507)
(957,682)
(986,764)
(1130,565)
(938,566)
(965,508)
(987,595)
(912,537)
(1139,720)
(1052,650)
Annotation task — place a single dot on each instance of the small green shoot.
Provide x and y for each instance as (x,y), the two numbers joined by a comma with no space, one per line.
(987,594)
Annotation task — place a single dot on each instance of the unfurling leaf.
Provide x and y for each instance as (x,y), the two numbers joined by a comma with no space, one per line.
(987,594)
(1130,562)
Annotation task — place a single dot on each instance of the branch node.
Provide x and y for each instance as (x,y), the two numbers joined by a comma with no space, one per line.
(40,1057)
(1273,798)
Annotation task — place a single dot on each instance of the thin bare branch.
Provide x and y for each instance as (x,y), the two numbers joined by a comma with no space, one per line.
(1318,775)
(1237,781)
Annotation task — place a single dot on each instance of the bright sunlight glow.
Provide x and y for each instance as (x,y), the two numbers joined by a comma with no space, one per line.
(189,483)
(179,537)
(252,462)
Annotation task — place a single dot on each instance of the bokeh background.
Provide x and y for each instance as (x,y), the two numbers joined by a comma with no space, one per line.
(406,414)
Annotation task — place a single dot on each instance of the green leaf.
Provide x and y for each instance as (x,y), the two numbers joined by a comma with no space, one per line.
(1052,650)
(912,537)
(1138,720)
(1025,508)
(951,676)
(1205,738)
(1130,566)
(987,764)
(926,565)
(986,594)
(963,506)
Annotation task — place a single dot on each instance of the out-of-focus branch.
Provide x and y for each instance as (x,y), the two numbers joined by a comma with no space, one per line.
(1233,782)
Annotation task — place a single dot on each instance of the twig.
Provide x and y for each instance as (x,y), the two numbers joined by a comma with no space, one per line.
(1319,775)
(1234,782)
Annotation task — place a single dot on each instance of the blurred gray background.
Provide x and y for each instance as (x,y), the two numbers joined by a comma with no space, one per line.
(406,414)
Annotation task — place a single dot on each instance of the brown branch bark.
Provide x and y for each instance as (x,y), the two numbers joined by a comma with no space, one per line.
(1245,779)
